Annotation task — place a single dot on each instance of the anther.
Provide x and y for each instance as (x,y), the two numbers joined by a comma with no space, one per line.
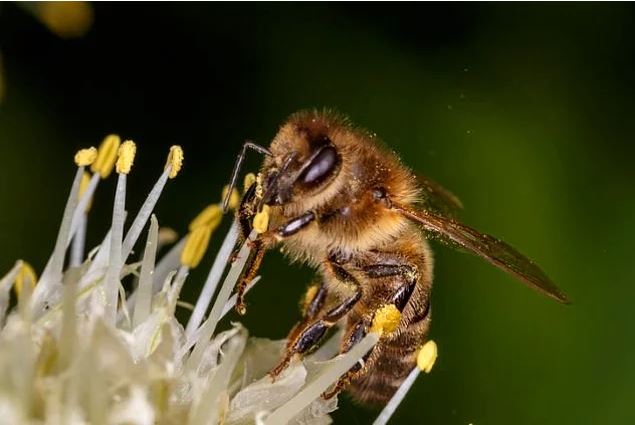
(175,160)
(427,356)
(106,156)
(85,157)
(127,152)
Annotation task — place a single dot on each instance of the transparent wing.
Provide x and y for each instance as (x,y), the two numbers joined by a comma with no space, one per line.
(437,198)
(487,247)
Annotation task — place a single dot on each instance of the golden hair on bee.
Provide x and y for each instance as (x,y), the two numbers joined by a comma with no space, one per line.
(337,200)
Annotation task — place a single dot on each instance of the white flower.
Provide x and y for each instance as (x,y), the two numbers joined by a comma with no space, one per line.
(76,349)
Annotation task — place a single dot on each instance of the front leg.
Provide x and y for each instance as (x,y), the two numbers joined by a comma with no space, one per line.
(260,245)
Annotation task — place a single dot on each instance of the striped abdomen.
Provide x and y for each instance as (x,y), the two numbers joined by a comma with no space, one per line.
(394,356)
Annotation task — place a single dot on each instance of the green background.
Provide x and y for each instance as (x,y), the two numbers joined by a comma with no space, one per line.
(525,111)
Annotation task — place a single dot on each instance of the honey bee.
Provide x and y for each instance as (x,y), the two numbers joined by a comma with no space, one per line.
(349,208)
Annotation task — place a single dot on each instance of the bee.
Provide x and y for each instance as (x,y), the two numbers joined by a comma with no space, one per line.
(346,206)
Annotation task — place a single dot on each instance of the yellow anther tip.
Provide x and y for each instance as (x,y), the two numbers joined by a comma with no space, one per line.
(106,156)
(261,220)
(85,157)
(249,180)
(234,198)
(125,159)
(26,274)
(175,160)
(195,246)
(386,319)
(211,216)
(427,356)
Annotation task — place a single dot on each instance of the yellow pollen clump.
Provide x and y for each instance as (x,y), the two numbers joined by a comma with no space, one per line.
(211,216)
(175,160)
(249,180)
(25,275)
(261,220)
(234,198)
(427,356)
(309,296)
(85,157)
(195,246)
(259,188)
(106,156)
(127,152)
(386,319)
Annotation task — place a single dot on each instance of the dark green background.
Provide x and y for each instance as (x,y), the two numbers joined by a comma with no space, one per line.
(525,111)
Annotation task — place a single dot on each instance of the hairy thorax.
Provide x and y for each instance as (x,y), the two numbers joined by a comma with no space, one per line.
(355,217)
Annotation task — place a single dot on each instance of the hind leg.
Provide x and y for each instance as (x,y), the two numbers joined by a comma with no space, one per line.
(353,335)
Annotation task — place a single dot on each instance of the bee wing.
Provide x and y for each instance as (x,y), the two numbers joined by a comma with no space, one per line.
(487,247)
(437,198)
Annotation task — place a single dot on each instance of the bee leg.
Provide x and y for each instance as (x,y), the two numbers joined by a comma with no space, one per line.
(308,337)
(355,334)
(258,247)
(238,164)
(313,304)
(302,343)
(251,270)
(408,275)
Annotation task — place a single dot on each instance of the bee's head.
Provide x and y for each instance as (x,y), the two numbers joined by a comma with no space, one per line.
(304,163)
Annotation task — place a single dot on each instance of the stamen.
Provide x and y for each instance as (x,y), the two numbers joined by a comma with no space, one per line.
(211,216)
(26,275)
(215,273)
(52,274)
(85,201)
(115,262)
(175,161)
(101,167)
(425,360)
(106,156)
(79,239)
(195,246)
(261,220)
(85,157)
(143,301)
(83,187)
(209,326)
(127,152)
(427,356)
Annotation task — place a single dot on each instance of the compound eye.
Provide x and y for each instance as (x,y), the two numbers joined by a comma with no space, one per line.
(321,166)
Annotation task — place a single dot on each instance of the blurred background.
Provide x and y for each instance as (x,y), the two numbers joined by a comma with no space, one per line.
(525,111)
